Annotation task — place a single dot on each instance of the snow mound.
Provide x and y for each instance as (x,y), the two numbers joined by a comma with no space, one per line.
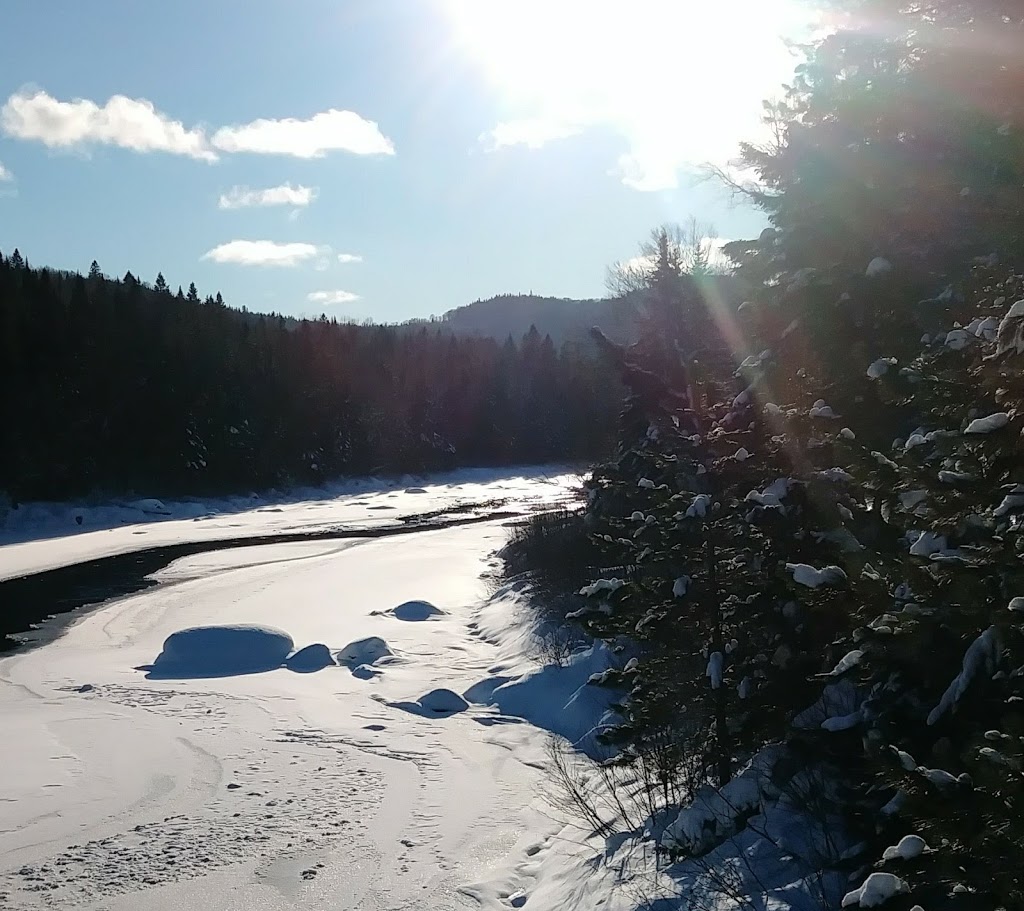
(601,585)
(312,658)
(877,889)
(909,847)
(415,490)
(364,651)
(439,703)
(150,506)
(878,266)
(415,611)
(222,651)
(987,424)
(443,702)
(804,574)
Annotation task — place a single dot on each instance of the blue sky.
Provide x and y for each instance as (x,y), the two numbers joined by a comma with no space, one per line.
(378,159)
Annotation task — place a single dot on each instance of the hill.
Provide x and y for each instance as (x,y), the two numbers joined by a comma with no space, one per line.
(564,319)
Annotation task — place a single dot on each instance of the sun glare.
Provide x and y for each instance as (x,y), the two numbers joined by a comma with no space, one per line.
(680,81)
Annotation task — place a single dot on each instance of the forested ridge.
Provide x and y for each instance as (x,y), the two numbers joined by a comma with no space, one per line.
(114,385)
(807,548)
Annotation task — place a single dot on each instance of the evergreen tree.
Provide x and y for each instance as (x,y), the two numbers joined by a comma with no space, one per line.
(160,285)
(193,293)
(94,270)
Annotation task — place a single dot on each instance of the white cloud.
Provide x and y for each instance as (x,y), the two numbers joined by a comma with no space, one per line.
(263,253)
(4,173)
(324,132)
(349,258)
(531,133)
(130,123)
(327,298)
(284,195)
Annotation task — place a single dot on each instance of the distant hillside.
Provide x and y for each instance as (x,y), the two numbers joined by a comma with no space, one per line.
(563,319)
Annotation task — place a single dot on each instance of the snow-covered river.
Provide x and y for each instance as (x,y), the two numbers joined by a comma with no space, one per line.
(281,790)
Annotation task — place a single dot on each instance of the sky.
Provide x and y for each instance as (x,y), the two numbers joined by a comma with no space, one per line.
(375,159)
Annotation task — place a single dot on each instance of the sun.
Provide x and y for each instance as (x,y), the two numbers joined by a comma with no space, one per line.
(677,78)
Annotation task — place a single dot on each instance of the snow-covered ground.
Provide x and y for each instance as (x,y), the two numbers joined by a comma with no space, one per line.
(128,786)
(40,536)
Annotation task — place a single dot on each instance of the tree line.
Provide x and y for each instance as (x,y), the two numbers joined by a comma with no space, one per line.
(809,539)
(115,385)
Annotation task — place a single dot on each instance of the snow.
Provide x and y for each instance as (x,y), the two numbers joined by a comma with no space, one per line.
(714,669)
(837,700)
(699,507)
(842,722)
(878,266)
(364,652)
(601,585)
(415,611)
(1016,605)
(987,329)
(40,536)
(850,660)
(220,651)
(283,790)
(1012,501)
(435,703)
(847,434)
(1010,334)
(876,890)
(908,763)
(982,654)
(772,494)
(646,483)
(836,475)
(741,454)
(940,778)
(987,424)
(747,394)
(312,658)
(820,410)
(682,585)
(928,543)
(556,698)
(880,367)
(714,814)
(908,847)
(957,339)
(804,574)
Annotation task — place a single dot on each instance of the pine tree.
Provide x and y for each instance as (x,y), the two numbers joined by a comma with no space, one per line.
(944,721)
(94,270)
(16,260)
(193,293)
(160,285)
